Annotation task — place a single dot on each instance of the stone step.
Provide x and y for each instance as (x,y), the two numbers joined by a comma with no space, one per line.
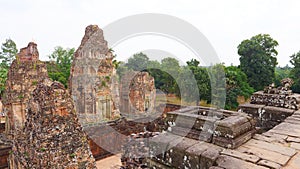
(269,164)
(239,155)
(233,143)
(264,138)
(295,146)
(271,147)
(276,136)
(234,163)
(294,163)
(265,154)
(293,139)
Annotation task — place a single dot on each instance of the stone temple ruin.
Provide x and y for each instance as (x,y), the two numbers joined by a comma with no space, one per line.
(137,93)
(273,105)
(46,124)
(204,138)
(24,74)
(92,81)
(196,137)
(95,91)
(41,121)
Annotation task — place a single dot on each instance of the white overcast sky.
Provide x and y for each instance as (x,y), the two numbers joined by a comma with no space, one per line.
(225,23)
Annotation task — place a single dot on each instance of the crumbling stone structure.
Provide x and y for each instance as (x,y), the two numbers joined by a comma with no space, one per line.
(281,96)
(137,93)
(195,139)
(273,105)
(92,81)
(23,76)
(109,137)
(41,121)
(52,136)
(228,129)
(274,149)
(5,149)
(29,53)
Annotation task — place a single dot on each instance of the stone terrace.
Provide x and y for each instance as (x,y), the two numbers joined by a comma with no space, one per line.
(276,148)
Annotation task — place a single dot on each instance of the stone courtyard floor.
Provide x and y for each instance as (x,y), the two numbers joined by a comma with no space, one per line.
(276,148)
(112,162)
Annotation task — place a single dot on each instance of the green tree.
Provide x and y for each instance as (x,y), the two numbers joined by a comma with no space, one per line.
(3,78)
(60,64)
(236,85)
(154,69)
(295,72)
(281,73)
(201,77)
(258,60)
(8,53)
(138,62)
(170,70)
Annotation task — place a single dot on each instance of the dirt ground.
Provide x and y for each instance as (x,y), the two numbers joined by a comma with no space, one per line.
(112,162)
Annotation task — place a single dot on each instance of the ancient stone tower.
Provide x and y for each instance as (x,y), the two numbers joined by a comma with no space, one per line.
(137,93)
(24,74)
(41,119)
(92,83)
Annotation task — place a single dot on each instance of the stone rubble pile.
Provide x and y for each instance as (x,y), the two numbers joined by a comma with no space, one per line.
(281,96)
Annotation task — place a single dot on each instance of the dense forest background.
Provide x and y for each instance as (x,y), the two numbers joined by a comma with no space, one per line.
(258,68)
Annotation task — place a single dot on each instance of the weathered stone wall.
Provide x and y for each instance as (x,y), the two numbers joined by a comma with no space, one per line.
(267,117)
(112,132)
(5,149)
(195,139)
(224,128)
(281,96)
(137,93)
(92,80)
(41,120)
(23,76)
(168,151)
(109,137)
(273,105)
(29,53)
(52,136)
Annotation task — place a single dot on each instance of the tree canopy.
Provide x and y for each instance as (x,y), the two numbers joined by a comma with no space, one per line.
(282,73)
(7,55)
(60,64)
(258,60)
(236,85)
(138,62)
(295,72)
(202,78)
